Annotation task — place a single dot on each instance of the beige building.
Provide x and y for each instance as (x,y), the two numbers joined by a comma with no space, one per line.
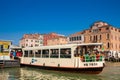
(76,38)
(31,40)
(60,40)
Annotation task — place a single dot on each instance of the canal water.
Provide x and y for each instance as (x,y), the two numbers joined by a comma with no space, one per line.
(110,72)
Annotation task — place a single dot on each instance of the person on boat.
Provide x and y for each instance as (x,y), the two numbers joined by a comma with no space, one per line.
(11,54)
(14,53)
(82,58)
(93,56)
(87,58)
(101,56)
(97,57)
(18,53)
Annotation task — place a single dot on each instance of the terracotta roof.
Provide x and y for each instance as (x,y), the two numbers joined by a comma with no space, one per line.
(31,36)
(57,37)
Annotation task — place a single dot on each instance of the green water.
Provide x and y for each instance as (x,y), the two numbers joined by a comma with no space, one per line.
(110,72)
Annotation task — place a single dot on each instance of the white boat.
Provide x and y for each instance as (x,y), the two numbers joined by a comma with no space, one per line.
(70,57)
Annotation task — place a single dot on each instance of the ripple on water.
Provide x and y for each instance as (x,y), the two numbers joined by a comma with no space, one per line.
(110,72)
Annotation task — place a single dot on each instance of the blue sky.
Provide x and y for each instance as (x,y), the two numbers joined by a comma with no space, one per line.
(18,17)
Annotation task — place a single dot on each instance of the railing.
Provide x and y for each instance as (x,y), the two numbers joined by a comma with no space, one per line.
(91,58)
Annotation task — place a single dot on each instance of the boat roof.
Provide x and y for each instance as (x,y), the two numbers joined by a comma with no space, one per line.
(15,47)
(62,46)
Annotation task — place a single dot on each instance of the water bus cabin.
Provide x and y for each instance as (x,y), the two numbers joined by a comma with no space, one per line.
(86,58)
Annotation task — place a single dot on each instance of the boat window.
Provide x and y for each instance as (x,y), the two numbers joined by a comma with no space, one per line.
(31,53)
(65,53)
(54,53)
(25,53)
(18,52)
(38,53)
(1,48)
(45,53)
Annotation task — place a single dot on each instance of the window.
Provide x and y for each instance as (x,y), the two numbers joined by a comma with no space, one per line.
(96,37)
(31,45)
(75,38)
(107,36)
(95,30)
(25,53)
(38,53)
(79,37)
(107,28)
(100,37)
(108,45)
(45,53)
(31,53)
(31,40)
(1,48)
(70,38)
(65,53)
(26,40)
(54,53)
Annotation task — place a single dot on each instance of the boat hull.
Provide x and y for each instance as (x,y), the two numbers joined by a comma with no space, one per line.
(94,70)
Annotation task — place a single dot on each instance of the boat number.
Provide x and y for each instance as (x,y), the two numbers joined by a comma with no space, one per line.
(90,64)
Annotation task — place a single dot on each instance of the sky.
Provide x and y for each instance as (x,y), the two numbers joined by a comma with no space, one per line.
(19,17)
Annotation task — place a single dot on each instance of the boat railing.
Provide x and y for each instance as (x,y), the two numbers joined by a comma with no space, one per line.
(92,58)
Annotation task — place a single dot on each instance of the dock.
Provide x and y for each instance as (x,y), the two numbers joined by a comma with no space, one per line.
(9,63)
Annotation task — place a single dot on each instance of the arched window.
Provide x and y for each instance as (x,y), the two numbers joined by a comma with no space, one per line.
(96,37)
(100,37)
(108,45)
(107,36)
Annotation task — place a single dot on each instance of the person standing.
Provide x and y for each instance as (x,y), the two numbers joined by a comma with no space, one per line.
(14,53)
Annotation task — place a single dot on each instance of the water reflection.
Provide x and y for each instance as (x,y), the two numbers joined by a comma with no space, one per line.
(110,72)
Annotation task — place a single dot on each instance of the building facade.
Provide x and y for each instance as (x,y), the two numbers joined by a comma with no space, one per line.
(101,32)
(50,36)
(60,40)
(5,49)
(31,40)
(76,38)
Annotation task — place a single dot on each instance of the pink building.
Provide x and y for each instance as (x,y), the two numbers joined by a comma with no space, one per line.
(47,37)
(60,40)
(31,40)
